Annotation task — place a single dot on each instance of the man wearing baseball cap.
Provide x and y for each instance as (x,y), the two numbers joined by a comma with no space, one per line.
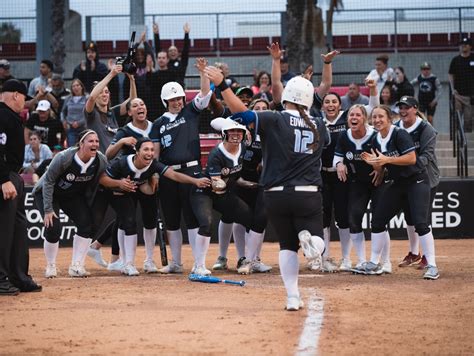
(429,91)
(4,72)
(14,254)
(91,69)
(461,78)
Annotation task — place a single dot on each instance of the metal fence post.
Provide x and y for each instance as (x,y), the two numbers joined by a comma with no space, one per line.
(88,29)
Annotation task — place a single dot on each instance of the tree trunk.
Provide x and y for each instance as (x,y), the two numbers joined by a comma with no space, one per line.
(57,40)
(305,30)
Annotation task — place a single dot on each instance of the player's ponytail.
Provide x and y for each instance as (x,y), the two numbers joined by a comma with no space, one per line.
(312,126)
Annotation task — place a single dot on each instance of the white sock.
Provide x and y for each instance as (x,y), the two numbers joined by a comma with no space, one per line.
(149,236)
(239,239)
(192,233)
(428,246)
(358,240)
(414,240)
(252,241)
(225,234)
(327,240)
(130,242)
(385,256)
(259,248)
(289,268)
(346,243)
(84,248)
(378,242)
(202,245)
(175,239)
(79,244)
(50,251)
(120,238)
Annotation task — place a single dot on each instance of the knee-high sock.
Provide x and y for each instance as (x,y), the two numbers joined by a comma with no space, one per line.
(51,251)
(130,242)
(192,233)
(414,240)
(149,236)
(252,241)
(120,238)
(80,245)
(259,248)
(239,239)
(175,239)
(428,246)
(358,240)
(378,240)
(346,243)
(289,268)
(327,240)
(385,255)
(202,245)
(225,234)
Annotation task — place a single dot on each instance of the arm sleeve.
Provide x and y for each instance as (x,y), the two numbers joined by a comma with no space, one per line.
(185,53)
(52,174)
(245,117)
(427,145)
(201,102)
(404,142)
(4,170)
(156,39)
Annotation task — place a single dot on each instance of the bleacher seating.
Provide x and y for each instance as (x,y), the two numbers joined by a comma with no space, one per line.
(340,42)
(106,48)
(418,40)
(359,41)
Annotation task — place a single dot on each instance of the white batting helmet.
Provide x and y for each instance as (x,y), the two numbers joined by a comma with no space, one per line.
(171,90)
(300,91)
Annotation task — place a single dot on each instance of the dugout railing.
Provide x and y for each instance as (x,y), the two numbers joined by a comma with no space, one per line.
(458,136)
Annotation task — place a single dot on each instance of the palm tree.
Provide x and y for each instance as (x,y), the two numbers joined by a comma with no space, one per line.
(306,30)
(9,33)
(57,38)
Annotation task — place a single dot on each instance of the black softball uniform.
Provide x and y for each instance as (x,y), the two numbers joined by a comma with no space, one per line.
(130,131)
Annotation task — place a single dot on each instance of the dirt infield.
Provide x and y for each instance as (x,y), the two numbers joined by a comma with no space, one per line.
(155,314)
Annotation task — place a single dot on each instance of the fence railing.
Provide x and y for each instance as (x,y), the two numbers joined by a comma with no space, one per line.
(458,136)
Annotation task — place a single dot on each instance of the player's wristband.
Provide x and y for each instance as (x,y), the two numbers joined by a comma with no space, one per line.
(223,85)
(327,62)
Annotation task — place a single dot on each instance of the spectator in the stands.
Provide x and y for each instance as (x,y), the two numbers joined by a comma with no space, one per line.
(387,98)
(72,114)
(401,85)
(382,72)
(46,71)
(4,72)
(35,153)
(461,79)
(286,75)
(59,91)
(177,61)
(262,86)
(46,125)
(90,69)
(43,93)
(352,97)
(229,80)
(429,91)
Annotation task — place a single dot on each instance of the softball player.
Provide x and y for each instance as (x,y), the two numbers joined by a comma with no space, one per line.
(394,150)
(292,144)
(138,169)
(176,138)
(424,137)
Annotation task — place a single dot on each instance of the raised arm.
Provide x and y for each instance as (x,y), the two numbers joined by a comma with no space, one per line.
(132,94)
(374,99)
(156,38)
(326,75)
(277,85)
(90,103)
(232,101)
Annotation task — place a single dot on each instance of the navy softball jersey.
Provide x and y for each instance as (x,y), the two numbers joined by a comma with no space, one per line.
(130,131)
(75,178)
(252,159)
(224,164)
(335,129)
(124,167)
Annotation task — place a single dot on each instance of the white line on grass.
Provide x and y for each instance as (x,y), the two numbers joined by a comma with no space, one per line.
(309,339)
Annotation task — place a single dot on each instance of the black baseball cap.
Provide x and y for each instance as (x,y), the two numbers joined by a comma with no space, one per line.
(409,101)
(425,65)
(244,90)
(12,85)
(465,41)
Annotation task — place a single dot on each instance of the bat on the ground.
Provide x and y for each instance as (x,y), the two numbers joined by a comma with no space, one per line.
(209,279)
(160,235)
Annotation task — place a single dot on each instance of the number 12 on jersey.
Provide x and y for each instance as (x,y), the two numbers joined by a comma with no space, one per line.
(303,139)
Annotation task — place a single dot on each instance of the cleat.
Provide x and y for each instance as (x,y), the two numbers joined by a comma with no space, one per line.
(359,268)
(260,267)
(96,255)
(328,265)
(240,262)
(431,273)
(130,270)
(173,267)
(314,265)
(387,267)
(51,271)
(294,304)
(313,246)
(202,271)
(346,265)
(410,260)
(246,268)
(78,271)
(194,268)
(116,266)
(221,264)
(372,269)
(149,267)
(422,264)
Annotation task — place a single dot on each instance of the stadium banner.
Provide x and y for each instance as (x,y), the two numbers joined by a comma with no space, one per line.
(451,216)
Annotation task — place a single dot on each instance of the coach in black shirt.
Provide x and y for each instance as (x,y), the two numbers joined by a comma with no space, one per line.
(14,256)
